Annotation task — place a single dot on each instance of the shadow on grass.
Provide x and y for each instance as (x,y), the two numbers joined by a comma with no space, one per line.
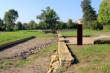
(102,41)
(14,43)
(76,61)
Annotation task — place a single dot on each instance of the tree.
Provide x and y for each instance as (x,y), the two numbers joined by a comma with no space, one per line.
(2,25)
(18,26)
(61,25)
(25,26)
(32,25)
(42,25)
(69,23)
(35,25)
(9,18)
(96,25)
(89,14)
(49,17)
(74,25)
(104,12)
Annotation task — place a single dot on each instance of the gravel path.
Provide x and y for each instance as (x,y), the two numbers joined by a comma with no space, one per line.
(101,36)
(86,40)
(23,46)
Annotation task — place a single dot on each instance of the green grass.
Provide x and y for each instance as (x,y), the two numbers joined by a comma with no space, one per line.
(107,27)
(20,62)
(92,58)
(104,39)
(2,66)
(86,32)
(6,37)
(44,51)
(9,63)
(1,62)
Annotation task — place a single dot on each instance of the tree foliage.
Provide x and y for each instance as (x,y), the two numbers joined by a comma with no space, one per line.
(69,23)
(32,25)
(61,25)
(18,26)
(104,12)
(96,25)
(9,18)
(49,18)
(42,25)
(2,25)
(89,14)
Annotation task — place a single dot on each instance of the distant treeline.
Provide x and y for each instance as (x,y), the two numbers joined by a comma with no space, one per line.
(93,20)
(33,25)
(50,20)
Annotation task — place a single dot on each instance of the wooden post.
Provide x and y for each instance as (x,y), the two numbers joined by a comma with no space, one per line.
(79,35)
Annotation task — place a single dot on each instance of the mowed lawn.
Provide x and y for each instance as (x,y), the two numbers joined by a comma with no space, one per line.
(6,37)
(92,59)
(86,32)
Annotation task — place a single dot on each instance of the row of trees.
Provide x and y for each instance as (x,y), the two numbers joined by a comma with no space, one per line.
(93,20)
(48,20)
(8,22)
(17,26)
(59,25)
(90,16)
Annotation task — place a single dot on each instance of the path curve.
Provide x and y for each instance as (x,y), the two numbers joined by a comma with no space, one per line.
(101,36)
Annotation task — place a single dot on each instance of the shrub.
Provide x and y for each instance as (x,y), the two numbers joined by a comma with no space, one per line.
(104,12)
(106,27)
(96,25)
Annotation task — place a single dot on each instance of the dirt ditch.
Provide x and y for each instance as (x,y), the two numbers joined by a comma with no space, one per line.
(39,65)
(22,47)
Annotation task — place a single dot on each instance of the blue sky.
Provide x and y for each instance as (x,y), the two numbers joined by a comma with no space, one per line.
(29,9)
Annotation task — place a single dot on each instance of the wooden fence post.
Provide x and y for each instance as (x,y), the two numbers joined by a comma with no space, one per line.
(79,35)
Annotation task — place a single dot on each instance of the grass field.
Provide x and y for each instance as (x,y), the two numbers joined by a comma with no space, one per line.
(6,37)
(86,32)
(92,59)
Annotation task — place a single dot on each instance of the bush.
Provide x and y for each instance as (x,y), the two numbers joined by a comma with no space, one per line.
(96,25)
(74,26)
(104,12)
(106,27)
